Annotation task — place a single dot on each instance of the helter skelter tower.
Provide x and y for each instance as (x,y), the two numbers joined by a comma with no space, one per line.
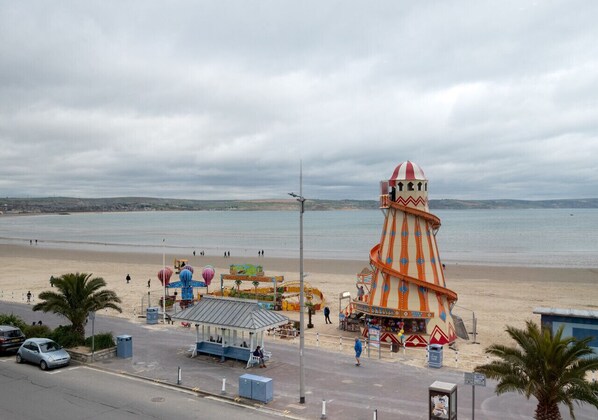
(407,287)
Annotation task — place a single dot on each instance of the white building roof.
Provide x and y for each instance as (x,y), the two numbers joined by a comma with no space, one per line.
(574,313)
(237,314)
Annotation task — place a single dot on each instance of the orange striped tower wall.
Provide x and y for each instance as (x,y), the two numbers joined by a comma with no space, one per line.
(408,279)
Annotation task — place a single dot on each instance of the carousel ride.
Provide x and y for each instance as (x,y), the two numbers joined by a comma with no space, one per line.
(186,284)
(271,291)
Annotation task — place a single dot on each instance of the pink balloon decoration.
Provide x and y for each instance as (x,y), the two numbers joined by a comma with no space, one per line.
(164,276)
(187,267)
(208,274)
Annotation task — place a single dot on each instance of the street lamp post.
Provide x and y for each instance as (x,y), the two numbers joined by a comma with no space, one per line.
(301,200)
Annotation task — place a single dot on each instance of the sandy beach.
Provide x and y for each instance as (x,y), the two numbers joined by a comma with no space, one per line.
(498,295)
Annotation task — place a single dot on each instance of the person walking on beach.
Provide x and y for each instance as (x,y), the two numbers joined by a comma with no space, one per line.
(128,278)
(149,282)
(52,281)
(358,349)
(327,315)
(29,296)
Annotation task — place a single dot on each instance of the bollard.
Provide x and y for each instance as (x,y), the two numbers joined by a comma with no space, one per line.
(223,386)
(323,416)
(178,380)
(317,339)
(376,414)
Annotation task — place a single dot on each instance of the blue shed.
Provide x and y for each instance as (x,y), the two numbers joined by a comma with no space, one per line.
(576,323)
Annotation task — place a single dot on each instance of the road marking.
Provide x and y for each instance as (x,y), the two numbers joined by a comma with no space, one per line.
(296,406)
(55,371)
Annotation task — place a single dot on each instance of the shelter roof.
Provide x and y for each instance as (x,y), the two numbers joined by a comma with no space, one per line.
(231,313)
(573,313)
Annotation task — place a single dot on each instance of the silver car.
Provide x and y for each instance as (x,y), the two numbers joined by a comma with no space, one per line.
(43,352)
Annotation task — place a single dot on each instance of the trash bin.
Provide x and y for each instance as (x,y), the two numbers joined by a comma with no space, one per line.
(124,346)
(152,315)
(435,356)
(394,347)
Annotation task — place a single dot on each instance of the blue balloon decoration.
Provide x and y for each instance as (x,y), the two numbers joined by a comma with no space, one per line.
(186,275)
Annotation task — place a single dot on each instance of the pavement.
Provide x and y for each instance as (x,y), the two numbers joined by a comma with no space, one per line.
(391,388)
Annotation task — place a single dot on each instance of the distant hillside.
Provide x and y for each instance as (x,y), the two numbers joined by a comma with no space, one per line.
(120,204)
(582,203)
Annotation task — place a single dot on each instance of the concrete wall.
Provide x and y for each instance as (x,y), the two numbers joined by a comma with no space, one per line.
(97,356)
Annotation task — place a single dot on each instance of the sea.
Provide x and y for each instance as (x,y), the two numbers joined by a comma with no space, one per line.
(530,237)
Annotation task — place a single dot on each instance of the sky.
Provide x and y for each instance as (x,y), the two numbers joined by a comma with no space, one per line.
(228,99)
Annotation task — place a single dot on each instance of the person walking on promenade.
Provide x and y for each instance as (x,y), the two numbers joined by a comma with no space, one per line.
(29,296)
(358,349)
(327,315)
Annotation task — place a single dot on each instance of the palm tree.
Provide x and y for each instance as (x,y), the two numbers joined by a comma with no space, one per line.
(238,283)
(77,295)
(551,368)
(255,285)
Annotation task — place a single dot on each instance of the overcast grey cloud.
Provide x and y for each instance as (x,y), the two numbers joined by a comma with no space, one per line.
(223,99)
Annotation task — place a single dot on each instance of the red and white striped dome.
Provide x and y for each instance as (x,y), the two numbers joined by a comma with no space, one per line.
(407,171)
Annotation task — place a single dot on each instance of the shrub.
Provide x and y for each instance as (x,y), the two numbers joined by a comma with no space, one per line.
(14,320)
(39,331)
(66,336)
(101,341)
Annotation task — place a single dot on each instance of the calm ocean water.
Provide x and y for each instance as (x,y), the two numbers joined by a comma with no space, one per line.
(553,238)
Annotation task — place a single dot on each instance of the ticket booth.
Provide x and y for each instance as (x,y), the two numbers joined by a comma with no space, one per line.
(442,397)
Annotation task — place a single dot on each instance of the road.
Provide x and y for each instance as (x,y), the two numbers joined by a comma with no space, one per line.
(79,392)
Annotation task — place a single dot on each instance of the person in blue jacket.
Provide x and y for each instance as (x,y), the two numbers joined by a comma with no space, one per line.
(357,350)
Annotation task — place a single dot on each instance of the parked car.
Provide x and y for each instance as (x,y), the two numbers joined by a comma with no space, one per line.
(11,338)
(44,352)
